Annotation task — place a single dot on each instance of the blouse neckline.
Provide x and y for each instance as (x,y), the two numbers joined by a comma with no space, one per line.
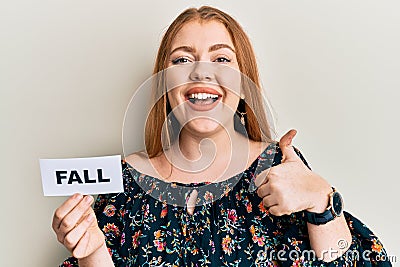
(255,163)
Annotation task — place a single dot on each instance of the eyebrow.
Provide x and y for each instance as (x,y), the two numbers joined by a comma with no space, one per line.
(184,48)
(220,46)
(212,48)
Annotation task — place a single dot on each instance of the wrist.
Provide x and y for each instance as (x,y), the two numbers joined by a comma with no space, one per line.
(321,201)
(100,257)
(334,210)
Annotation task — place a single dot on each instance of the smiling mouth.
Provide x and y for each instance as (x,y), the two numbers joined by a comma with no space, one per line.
(202,96)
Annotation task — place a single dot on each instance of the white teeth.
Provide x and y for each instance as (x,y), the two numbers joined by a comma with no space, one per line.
(203,96)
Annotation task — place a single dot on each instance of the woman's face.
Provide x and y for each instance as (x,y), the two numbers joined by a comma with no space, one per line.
(203,79)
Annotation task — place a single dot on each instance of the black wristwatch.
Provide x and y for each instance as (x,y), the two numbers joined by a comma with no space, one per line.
(335,209)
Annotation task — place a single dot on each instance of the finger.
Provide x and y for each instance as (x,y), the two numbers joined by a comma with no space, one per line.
(73,237)
(64,209)
(74,217)
(269,201)
(264,190)
(275,210)
(191,203)
(280,210)
(262,178)
(285,144)
(81,248)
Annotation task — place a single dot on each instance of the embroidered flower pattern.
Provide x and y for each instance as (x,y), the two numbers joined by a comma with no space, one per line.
(135,239)
(110,228)
(230,226)
(227,245)
(109,210)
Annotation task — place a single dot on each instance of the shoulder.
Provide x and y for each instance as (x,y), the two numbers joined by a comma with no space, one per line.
(136,159)
(258,148)
(141,163)
(132,166)
(272,156)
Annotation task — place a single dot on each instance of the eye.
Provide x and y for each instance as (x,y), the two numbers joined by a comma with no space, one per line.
(181,60)
(222,60)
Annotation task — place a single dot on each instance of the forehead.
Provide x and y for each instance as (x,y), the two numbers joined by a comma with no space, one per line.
(199,34)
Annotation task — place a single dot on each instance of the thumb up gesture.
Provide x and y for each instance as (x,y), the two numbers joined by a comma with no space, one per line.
(291,186)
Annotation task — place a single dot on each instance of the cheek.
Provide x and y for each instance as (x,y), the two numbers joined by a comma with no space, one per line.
(231,103)
(176,76)
(176,101)
(234,102)
(230,79)
(172,98)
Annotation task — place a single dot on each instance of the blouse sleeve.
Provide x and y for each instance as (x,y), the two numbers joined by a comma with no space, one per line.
(109,210)
(365,248)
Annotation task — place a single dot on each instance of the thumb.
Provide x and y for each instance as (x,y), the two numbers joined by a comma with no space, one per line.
(285,144)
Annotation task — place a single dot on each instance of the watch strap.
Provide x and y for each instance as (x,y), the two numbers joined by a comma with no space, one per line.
(319,218)
(326,216)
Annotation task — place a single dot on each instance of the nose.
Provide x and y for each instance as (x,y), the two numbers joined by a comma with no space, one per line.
(202,71)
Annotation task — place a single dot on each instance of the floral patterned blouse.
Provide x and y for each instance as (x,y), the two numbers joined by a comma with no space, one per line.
(147,225)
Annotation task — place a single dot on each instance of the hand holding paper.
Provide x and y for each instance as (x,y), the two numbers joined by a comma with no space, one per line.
(75,225)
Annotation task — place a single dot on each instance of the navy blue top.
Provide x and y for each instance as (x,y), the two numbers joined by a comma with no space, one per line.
(147,225)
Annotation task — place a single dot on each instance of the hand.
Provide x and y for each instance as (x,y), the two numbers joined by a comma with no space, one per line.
(76,227)
(291,186)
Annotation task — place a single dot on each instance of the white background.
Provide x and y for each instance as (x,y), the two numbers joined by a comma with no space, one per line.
(69,68)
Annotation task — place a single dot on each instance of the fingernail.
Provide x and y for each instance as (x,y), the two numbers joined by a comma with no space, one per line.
(88,199)
(77,196)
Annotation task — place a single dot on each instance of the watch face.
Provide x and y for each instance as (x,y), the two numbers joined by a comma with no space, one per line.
(337,203)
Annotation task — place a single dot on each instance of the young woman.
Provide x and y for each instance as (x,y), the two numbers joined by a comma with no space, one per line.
(191,203)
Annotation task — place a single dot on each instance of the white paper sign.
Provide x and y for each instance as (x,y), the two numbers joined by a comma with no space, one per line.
(96,175)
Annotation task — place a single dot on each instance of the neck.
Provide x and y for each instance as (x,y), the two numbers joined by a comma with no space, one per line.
(194,146)
(194,152)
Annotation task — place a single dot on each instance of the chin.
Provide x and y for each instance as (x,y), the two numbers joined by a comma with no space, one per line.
(204,126)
